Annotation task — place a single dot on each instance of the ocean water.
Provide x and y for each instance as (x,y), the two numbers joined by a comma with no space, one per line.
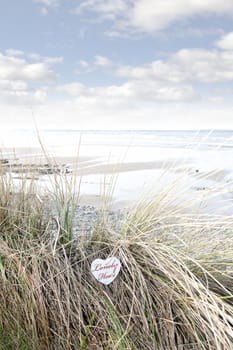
(66,141)
(198,161)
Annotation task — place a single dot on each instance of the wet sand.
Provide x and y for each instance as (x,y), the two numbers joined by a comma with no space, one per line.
(33,163)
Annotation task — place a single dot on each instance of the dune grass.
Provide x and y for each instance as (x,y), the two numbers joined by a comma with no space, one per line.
(174,291)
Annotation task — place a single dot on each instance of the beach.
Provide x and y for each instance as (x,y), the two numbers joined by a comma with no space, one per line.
(113,172)
(127,165)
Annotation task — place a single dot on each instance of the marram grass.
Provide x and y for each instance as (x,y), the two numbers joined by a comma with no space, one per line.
(174,290)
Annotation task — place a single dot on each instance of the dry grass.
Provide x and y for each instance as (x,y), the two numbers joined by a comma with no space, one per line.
(174,290)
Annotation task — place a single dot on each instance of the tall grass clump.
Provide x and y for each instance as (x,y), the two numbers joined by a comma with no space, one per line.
(174,290)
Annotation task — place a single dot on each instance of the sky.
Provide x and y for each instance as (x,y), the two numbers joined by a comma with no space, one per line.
(116,64)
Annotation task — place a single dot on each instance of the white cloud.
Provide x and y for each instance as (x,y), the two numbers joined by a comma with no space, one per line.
(48,3)
(102,61)
(12,68)
(186,65)
(19,93)
(53,60)
(14,52)
(13,85)
(151,15)
(131,92)
(108,9)
(87,67)
(167,80)
(83,64)
(113,33)
(226,42)
(84,67)
(35,56)
(36,72)
(16,73)
(45,59)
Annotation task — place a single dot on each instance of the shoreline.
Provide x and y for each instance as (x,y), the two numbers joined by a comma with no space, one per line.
(94,177)
(25,161)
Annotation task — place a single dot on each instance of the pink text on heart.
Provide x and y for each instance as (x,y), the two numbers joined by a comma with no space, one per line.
(104,276)
(100,267)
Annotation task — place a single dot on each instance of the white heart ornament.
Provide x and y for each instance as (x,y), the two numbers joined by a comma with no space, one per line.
(105,271)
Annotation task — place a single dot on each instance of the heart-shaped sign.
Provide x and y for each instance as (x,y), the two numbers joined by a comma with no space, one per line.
(105,271)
